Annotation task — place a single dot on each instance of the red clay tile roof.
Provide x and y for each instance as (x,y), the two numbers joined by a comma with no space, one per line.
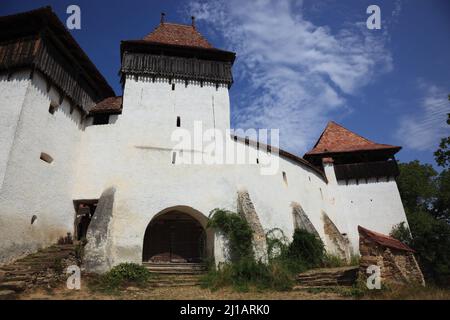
(336,139)
(178,34)
(384,240)
(108,105)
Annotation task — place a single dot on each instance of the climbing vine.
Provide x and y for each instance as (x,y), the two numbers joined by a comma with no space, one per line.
(237,231)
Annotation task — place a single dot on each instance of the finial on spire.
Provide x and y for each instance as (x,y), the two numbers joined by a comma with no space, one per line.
(163,15)
(193,22)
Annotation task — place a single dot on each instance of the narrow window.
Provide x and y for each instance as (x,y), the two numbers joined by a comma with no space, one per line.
(285,178)
(174,157)
(178,122)
(173,86)
(52,108)
(257,160)
(100,119)
(46,157)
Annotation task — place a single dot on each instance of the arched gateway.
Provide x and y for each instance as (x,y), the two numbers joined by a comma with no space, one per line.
(176,235)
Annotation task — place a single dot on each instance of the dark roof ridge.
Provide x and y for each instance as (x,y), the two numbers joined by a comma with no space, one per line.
(283,153)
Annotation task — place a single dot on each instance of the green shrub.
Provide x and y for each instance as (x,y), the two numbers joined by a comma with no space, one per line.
(307,248)
(124,274)
(286,259)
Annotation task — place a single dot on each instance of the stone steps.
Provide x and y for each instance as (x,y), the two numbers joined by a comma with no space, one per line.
(7,295)
(175,280)
(33,269)
(175,268)
(319,278)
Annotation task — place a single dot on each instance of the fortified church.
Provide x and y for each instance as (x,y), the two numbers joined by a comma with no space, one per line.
(77,159)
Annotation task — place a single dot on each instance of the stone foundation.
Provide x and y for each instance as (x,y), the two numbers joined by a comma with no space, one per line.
(396,260)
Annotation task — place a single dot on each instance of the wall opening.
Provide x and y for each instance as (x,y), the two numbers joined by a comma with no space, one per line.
(285,178)
(46,157)
(178,122)
(100,119)
(85,210)
(174,237)
(173,86)
(174,157)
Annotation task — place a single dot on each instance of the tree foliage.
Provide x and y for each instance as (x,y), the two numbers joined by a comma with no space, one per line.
(431,240)
(442,155)
(426,196)
(417,184)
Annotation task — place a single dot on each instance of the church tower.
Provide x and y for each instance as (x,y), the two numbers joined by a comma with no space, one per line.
(172,78)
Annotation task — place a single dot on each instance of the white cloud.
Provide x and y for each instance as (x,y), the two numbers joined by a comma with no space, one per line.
(423,130)
(298,73)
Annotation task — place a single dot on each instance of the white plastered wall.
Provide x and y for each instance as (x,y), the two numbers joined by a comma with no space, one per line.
(133,154)
(30,185)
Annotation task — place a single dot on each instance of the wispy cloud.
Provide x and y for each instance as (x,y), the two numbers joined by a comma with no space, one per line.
(422,130)
(296,73)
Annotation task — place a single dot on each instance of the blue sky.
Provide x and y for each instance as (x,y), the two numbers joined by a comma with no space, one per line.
(302,63)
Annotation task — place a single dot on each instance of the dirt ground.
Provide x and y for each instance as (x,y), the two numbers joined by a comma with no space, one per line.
(198,293)
(175,293)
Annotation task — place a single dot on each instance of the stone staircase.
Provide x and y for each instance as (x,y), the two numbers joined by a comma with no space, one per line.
(44,267)
(175,274)
(327,277)
(175,280)
(175,268)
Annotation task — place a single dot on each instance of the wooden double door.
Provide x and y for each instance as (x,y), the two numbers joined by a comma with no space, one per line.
(174,238)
